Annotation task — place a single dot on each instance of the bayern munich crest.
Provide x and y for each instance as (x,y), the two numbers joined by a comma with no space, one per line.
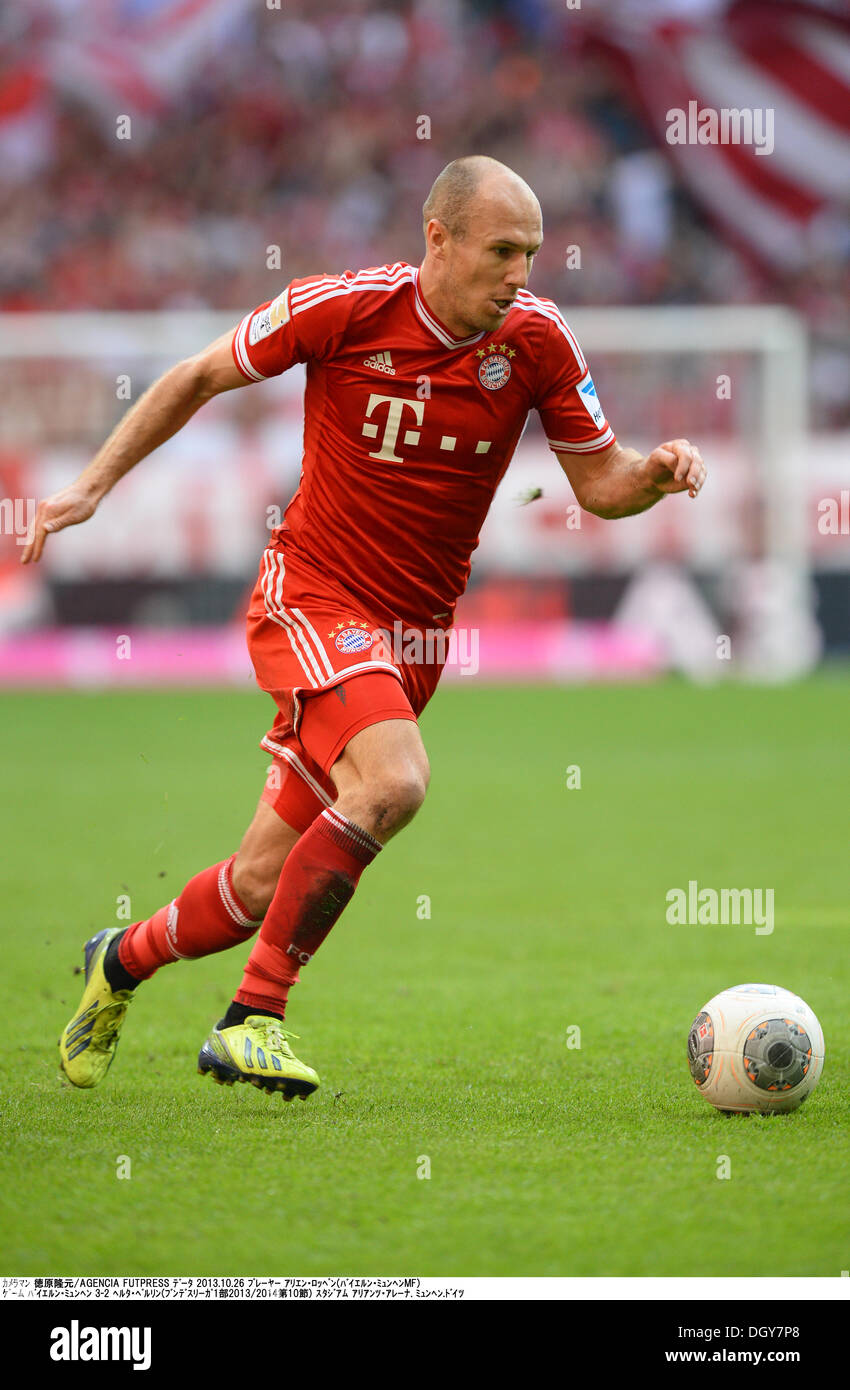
(494,371)
(353,639)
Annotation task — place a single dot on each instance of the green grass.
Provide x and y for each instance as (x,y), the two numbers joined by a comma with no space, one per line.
(446,1037)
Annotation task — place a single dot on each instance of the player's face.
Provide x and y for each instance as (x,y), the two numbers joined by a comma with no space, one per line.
(490,264)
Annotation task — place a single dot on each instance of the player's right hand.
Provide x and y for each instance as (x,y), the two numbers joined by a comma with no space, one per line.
(68,507)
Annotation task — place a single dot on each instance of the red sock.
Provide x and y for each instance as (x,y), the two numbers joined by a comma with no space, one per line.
(207,916)
(317,880)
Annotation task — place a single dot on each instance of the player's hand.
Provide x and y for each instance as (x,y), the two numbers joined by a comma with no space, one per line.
(68,507)
(677,466)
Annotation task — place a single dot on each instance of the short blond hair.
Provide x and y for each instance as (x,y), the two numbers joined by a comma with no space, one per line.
(454,189)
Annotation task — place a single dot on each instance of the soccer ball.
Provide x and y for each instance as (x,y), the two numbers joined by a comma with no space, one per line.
(756,1047)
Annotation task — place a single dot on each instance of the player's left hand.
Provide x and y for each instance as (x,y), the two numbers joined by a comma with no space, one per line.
(676,466)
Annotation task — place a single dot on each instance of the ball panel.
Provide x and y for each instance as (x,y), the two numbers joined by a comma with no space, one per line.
(701,1047)
(777,1054)
(756,1047)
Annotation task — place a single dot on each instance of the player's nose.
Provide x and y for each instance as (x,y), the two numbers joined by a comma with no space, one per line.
(517,278)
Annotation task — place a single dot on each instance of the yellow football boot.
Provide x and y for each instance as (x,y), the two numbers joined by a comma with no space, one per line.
(257,1050)
(88,1044)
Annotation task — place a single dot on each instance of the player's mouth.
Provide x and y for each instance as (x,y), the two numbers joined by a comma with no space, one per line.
(502,305)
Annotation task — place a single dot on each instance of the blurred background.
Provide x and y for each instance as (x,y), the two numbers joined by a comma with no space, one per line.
(166,165)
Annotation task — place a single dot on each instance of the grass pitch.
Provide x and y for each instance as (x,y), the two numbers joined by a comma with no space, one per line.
(441,1041)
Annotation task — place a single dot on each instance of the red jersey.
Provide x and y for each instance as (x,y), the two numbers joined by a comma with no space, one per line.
(408,430)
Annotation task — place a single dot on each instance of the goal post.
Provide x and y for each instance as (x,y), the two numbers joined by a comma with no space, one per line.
(778,339)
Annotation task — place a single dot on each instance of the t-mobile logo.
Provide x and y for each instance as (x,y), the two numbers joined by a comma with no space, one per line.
(77,1343)
(392,425)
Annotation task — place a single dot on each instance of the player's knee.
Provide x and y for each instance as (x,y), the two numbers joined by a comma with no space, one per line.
(396,796)
(255,882)
(382,787)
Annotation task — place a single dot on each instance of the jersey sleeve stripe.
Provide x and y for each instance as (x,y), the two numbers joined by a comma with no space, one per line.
(396,274)
(587,446)
(299,306)
(308,296)
(240,351)
(364,279)
(305,292)
(550,311)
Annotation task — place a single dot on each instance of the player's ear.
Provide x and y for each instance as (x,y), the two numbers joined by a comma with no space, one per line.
(436,237)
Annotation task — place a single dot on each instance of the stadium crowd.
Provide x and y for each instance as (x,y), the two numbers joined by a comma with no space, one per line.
(318,128)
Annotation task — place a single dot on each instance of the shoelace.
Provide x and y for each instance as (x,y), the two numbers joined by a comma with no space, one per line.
(276,1037)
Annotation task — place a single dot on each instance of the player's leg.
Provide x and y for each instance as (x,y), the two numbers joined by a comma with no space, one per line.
(260,858)
(220,907)
(381,773)
(331,680)
(382,777)
(380,769)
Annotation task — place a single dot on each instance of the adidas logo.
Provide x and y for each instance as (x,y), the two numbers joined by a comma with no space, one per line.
(381,361)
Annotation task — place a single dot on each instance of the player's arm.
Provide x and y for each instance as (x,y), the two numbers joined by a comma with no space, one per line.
(157,415)
(617,482)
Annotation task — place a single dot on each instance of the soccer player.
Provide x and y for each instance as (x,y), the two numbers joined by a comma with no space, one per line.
(419,381)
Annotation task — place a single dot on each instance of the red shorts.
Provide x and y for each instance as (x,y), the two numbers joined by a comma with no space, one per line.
(332,669)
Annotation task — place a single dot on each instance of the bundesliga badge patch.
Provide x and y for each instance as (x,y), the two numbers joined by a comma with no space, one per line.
(351,637)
